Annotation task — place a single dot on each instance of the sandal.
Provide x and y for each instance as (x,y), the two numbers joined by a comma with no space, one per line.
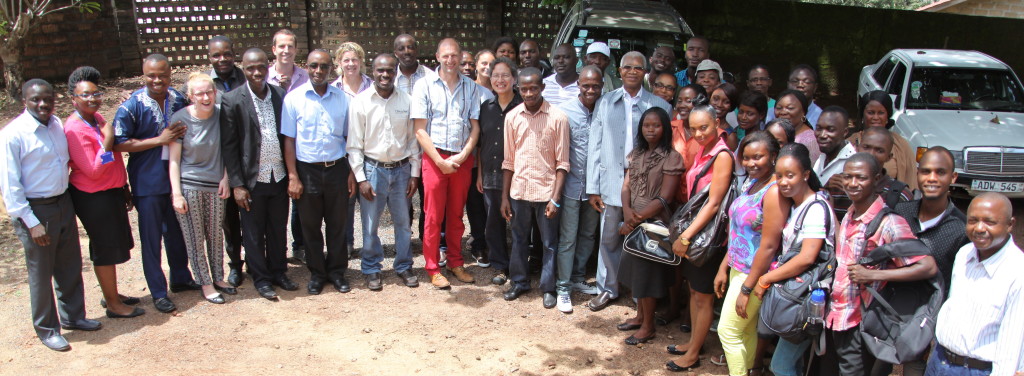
(718,360)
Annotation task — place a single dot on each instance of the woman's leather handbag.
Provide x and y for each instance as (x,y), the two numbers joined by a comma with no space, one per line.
(711,240)
(649,241)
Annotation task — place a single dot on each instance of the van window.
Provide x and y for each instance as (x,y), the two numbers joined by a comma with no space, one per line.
(881,74)
(899,77)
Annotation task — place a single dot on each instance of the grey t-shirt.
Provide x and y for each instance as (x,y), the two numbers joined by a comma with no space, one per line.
(201,165)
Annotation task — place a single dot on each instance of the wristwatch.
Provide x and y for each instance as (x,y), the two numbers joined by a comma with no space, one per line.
(746,290)
(684,241)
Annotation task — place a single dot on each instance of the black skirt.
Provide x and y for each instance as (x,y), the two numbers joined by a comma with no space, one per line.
(646,279)
(105,218)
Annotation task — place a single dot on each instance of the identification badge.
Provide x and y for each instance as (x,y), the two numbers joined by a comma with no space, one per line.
(106,157)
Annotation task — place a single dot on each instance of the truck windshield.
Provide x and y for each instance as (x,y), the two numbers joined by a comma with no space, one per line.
(964,89)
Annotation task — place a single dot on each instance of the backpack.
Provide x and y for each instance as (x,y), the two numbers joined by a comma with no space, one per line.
(894,194)
(899,323)
(786,307)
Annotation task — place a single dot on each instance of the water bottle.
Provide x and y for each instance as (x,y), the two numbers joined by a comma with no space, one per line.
(817,314)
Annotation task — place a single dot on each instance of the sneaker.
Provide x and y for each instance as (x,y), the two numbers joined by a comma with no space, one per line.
(499,279)
(439,281)
(481,259)
(444,256)
(461,274)
(564,303)
(714,326)
(585,288)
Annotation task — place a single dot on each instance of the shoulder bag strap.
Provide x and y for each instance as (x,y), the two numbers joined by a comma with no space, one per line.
(704,171)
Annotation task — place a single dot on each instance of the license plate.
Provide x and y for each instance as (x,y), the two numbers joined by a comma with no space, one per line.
(997,186)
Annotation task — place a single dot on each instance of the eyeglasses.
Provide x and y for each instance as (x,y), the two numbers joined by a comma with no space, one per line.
(210,92)
(504,76)
(633,68)
(659,85)
(96,95)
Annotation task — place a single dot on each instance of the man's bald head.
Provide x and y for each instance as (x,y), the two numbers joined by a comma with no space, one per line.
(996,201)
(449,43)
(591,71)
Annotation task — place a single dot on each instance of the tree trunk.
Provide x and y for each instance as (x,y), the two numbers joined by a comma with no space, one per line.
(13,74)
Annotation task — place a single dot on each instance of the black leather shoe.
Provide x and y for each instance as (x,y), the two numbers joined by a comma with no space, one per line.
(549,300)
(215,299)
(128,300)
(164,305)
(298,256)
(314,287)
(600,301)
(341,284)
(268,292)
(226,290)
(83,324)
(514,292)
(235,277)
(373,282)
(625,327)
(499,279)
(634,340)
(409,278)
(57,342)
(136,312)
(284,283)
(672,366)
(190,286)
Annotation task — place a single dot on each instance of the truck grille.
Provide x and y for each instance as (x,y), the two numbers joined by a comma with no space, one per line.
(994,160)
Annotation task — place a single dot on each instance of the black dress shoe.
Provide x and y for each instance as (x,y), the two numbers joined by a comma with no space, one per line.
(672,366)
(550,300)
(600,301)
(57,342)
(284,283)
(409,278)
(314,287)
(514,292)
(226,290)
(235,277)
(215,298)
(373,282)
(136,312)
(625,327)
(674,350)
(190,286)
(499,279)
(341,284)
(83,324)
(164,305)
(128,300)
(268,292)
(634,340)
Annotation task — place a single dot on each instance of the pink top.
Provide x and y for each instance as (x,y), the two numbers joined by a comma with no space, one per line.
(698,164)
(88,173)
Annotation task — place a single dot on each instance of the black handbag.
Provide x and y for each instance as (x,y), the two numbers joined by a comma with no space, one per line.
(649,241)
(711,240)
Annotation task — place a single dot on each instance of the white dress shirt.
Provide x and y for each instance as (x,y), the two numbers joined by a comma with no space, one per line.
(826,170)
(35,164)
(984,315)
(381,129)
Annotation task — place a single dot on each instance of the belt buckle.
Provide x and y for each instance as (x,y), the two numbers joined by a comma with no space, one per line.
(329,163)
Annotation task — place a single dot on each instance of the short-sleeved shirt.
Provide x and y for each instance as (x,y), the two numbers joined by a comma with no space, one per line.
(685,146)
(492,140)
(318,124)
(746,220)
(844,310)
(557,94)
(819,223)
(448,113)
(299,77)
(682,78)
(580,118)
(536,147)
(407,83)
(647,170)
(202,167)
(700,160)
(89,172)
(140,118)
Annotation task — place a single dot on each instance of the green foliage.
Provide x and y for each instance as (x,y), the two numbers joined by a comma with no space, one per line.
(887,4)
(555,2)
(89,7)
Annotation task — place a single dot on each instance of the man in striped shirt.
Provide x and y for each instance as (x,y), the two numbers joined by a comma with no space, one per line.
(979,329)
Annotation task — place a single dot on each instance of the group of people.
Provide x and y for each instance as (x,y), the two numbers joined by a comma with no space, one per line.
(567,157)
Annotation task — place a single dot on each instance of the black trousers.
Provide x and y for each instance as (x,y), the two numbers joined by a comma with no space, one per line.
(324,200)
(476,212)
(232,234)
(264,231)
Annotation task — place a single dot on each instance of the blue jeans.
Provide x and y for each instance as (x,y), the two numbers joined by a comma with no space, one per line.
(389,184)
(576,237)
(938,366)
(786,361)
(524,213)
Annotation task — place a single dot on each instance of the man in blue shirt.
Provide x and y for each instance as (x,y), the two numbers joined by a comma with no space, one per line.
(698,49)
(142,129)
(33,181)
(315,125)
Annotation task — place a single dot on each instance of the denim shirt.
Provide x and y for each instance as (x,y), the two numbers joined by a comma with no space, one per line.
(580,118)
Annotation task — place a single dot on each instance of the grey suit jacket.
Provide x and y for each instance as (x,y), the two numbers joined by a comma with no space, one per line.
(606,160)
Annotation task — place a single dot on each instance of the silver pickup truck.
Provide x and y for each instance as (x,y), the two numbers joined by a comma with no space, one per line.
(966,101)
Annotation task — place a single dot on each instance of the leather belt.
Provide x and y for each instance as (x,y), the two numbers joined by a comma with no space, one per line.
(966,361)
(386,164)
(324,164)
(45,200)
(445,152)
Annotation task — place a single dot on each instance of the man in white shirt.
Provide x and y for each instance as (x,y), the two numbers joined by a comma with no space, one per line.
(979,330)
(561,86)
(835,150)
(385,159)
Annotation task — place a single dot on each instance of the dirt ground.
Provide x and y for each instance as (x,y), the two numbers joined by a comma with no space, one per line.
(469,329)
